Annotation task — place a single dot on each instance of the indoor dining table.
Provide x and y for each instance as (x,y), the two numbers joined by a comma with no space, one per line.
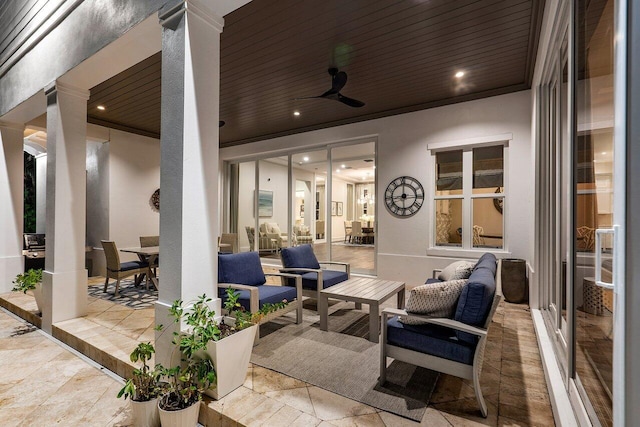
(147,254)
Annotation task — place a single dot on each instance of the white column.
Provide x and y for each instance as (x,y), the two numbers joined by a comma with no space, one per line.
(11,203)
(189,213)
(65,278)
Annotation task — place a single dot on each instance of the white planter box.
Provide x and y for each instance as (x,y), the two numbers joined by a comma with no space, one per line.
(187,417)
(37,293)
(145,414)
(231,357)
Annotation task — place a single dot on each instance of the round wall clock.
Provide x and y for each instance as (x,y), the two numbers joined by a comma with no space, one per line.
(404,196)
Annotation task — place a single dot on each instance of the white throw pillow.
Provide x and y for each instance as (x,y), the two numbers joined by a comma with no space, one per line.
(457,270)
(433,300)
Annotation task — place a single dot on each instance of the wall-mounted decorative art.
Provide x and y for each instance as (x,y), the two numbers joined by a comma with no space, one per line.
(265,203)
(154,201)
(339,208)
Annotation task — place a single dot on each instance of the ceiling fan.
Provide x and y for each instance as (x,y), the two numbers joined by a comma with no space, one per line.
(338,80)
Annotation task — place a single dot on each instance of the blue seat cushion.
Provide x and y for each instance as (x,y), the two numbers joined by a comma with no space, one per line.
(299,256)
(133,265)
(329,278)
(268,294)
(477,297)
(435,340)
(432,280)
(243,268)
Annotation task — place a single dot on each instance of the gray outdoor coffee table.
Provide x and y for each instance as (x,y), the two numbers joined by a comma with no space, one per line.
(362,291)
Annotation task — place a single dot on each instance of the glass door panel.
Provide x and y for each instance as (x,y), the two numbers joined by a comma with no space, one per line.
(353,230)
(273,202)
(309,172)
(593,195)
(243,177)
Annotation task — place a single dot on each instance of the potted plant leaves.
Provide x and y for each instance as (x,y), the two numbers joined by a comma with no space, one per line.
(144,387)
(30,281)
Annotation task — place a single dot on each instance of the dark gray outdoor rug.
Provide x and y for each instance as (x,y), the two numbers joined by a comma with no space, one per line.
(129,294)
(343,361)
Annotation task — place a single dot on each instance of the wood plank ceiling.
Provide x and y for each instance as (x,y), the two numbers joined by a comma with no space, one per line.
(400,56)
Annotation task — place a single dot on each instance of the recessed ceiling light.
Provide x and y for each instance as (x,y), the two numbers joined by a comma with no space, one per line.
(101,107)
(296,113)
(604,152)
(459,74)
(344,166)
(338,170)
(595,161)
(305,158)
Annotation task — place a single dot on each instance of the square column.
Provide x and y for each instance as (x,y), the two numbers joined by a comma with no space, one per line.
(11,203)
(65,278)
(189,210)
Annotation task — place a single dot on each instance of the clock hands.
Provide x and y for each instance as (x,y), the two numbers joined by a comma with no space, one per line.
(404,196)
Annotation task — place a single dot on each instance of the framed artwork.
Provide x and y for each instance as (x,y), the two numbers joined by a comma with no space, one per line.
(334,208)
(265,203)
(339,209)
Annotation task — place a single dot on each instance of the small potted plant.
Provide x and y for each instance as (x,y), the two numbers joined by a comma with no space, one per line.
(144,387)
(30,281)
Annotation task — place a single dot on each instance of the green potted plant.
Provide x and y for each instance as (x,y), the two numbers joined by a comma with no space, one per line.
(144,387)
(30,281)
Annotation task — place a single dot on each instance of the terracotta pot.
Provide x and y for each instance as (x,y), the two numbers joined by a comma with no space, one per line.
(187,417)
(145,414)
(37,293)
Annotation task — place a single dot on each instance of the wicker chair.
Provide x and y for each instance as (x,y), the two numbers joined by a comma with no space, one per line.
(117,270)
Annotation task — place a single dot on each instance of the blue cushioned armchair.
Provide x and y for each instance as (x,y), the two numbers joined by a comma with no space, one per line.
(301,260)
(452,346)
(243,272)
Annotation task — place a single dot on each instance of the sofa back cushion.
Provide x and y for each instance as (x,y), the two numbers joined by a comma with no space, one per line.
(243,268)
(477,296)
(299,257)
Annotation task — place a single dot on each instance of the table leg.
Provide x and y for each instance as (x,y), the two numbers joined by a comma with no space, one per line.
(323,309)
(374,322)
(401,298)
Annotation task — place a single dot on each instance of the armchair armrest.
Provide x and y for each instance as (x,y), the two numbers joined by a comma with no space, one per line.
(450,323)
(436,271)
(254,296)
(346,265)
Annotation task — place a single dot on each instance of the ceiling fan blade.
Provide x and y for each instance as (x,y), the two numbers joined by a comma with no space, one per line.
(350,101)
(309,97)
(338,81)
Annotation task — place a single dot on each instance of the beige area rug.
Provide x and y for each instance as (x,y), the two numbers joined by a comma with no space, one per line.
(343,361)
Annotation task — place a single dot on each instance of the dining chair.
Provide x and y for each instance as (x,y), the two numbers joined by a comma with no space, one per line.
(347,230)
(151,241)
(117,270)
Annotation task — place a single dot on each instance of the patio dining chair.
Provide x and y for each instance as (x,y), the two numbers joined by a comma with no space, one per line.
(151,241)
(117,270)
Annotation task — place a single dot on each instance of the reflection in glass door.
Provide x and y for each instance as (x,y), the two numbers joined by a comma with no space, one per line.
(593,198)
(309,173)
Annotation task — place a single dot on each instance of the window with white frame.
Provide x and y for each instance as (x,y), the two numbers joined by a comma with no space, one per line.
(469,197)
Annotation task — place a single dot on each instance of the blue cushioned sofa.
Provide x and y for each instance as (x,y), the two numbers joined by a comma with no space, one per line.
(454,346)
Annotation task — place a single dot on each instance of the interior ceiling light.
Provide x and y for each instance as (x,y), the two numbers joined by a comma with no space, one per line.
(101,107)
(338,170)
(305,158)
(459,74)
(296,113)
(344,166)
(604,152)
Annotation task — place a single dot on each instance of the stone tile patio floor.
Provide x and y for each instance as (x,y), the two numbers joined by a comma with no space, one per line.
(38,387)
